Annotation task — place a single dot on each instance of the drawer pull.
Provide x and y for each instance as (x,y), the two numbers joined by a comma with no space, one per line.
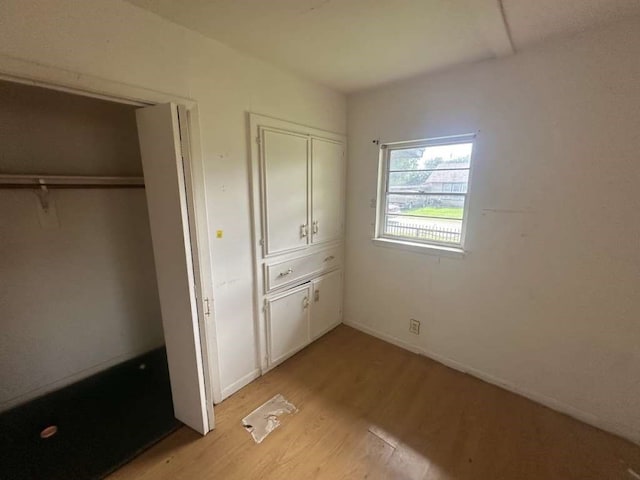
(329,258)
(305,303)
(284,274)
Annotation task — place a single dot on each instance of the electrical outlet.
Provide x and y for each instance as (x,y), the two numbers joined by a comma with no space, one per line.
(414,326)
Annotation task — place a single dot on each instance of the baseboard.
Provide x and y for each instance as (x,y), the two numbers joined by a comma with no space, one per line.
(324,332)
(237,385)
(247,379)
(75,377)
(552,403)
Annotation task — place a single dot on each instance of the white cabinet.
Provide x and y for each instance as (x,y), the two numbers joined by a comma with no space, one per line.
(327,190)
(326,308)
(284,181)
(288,322)
(303,190)
(302,314)
(298,193)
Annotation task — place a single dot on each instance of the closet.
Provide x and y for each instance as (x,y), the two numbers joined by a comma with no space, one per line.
(96,281)
(298,179)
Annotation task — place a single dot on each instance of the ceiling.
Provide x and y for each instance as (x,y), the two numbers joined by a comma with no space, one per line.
(355,44)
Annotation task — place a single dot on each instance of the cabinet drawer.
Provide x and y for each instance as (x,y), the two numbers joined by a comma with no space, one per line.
(290,271)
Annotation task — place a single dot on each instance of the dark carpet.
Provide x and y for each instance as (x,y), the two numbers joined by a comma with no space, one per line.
(103,422)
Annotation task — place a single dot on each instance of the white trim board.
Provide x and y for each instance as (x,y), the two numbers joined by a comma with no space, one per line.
(257,373)
(18,70)
(238,384)
(585,417)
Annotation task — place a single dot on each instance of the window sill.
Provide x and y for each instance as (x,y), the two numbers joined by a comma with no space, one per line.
(420,247)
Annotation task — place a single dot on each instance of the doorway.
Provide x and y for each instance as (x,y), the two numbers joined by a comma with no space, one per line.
(89,299)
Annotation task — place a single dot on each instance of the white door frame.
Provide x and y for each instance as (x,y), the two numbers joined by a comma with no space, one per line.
(54,78)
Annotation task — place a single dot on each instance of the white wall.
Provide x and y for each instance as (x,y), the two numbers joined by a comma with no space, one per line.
(74,299)
(117,41)
(79,296)
(43,131)
(546,302)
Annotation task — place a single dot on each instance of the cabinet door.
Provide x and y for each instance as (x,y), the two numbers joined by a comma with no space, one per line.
(326,309)
(327,190)
(288,323)
(284,180)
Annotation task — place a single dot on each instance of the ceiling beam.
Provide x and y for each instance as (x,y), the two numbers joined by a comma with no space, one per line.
(492,25)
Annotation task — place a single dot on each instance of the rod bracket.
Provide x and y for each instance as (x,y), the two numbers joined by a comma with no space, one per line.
(43,195)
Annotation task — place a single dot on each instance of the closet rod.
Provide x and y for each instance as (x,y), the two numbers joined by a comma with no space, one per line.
(66,181)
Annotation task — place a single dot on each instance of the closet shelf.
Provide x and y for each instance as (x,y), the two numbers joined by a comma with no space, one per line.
(69,181)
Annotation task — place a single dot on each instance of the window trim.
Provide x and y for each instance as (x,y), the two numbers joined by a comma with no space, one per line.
(383,175)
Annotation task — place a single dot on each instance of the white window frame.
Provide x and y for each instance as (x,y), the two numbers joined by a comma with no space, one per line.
(424,246)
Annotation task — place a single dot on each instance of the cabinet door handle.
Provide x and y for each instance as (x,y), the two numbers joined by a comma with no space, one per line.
(316,296)
(304,231)
(305,303)
(284,274)
(315,226)
(329,258)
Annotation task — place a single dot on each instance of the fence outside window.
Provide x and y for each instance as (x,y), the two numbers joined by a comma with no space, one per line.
(420,232)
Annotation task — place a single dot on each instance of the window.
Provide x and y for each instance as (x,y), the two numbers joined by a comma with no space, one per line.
(423,187)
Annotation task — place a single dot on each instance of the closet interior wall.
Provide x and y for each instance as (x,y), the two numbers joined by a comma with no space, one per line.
(78,287)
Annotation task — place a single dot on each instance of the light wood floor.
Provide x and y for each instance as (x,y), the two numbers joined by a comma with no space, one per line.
(370,410)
